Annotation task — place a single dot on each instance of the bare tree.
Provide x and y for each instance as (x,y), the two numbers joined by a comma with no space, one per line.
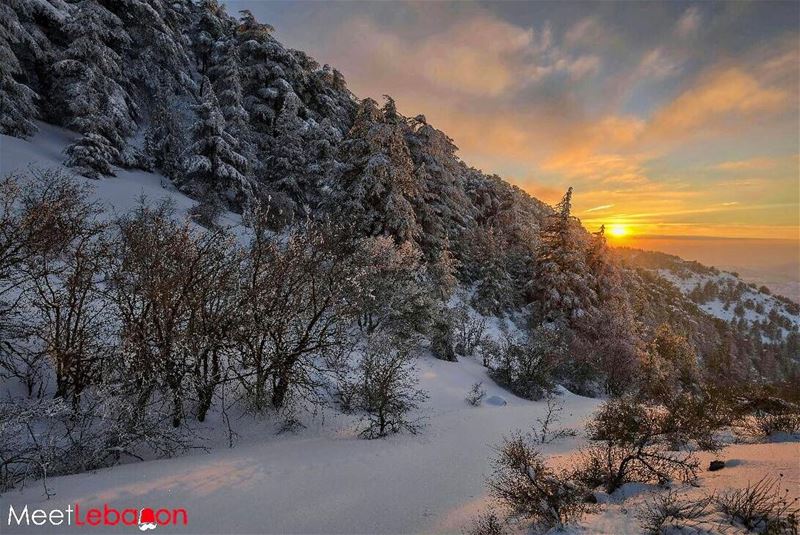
(631,443)
(67,309)
(385,387)
(530,489)
(294,311)
(545,431)
(212,316)
(160,268)
(38,216)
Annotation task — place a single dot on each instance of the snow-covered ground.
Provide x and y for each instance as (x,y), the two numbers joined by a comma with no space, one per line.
(116,194)
(327,480)
(324,479)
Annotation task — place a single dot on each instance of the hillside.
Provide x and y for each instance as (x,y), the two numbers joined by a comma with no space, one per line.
(723,294)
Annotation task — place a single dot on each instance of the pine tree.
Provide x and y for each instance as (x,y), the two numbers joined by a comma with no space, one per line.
(26,53)
(378,179)
(165,140)
(562,287)
(212,162)
(286,163)
(212,26)
(159,56)
(255,52)
(17,100)
(88,89)
(225,72)
(494,287)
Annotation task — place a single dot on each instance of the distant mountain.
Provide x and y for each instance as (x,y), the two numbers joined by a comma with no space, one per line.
(723,294)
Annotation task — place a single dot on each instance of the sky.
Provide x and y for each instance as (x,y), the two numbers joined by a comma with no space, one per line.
(669,119)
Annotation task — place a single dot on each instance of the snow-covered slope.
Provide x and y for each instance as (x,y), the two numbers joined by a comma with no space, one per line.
(723,295)
(116,194)
(326,479)
(734,300)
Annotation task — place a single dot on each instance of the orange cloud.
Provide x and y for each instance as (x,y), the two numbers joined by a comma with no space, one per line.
(717,99)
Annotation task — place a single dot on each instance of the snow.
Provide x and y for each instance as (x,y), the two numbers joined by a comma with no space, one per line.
(686,282)
(745,463)
(117,194)
(324,479)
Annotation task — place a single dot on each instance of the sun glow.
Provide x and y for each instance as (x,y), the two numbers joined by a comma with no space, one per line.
(618,230)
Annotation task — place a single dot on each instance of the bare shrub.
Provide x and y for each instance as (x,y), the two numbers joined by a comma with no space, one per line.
(764,417)
(469,331)
(476,394)
(442,336)
(385,388)
(545,432)
(207,211)
(761,507)
(527,368)
(43,438)
(531,490)
(671,510)
(489,351)
(630,444)
(694,419)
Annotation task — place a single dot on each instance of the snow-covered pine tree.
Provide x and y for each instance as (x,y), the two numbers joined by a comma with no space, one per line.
(605,273)
(494,287)
(25,56)
(17,100)
(212,26)
(225,73)
(255,53)
(158,56)
(212,162)
(165,140)
(562,286)
(89,92)
(378,179)
(286,164)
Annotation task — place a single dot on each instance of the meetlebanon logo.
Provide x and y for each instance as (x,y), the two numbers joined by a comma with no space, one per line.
(73,515)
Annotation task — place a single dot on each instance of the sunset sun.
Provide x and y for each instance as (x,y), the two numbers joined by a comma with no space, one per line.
(618,230)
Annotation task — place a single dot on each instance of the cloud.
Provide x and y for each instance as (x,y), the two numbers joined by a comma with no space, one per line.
(718,98)
(752,164)
(587,32)
(689,22)
(617,114)
(657,64)
(600,208)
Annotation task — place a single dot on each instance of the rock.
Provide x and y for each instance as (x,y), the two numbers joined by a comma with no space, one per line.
(716,465)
